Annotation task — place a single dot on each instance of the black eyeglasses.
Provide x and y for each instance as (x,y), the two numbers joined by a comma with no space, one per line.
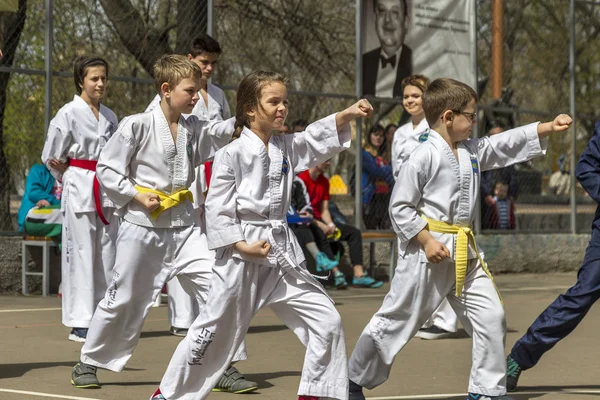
(470,116)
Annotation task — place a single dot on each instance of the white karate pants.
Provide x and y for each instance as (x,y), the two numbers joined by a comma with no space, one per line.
(444,317)
(183,308)
(238,290)
(87,259)
(146,258)
(418,289)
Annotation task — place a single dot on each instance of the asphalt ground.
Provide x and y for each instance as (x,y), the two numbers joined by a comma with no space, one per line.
(36,357)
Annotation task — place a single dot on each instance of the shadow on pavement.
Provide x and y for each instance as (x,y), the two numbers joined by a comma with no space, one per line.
(267,328)
(263,379)
(153,334)
(17,370)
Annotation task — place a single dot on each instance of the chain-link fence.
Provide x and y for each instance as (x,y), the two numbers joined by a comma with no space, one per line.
(316,49)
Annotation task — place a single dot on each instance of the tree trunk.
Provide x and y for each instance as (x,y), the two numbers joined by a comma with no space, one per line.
(147,42)
(11,27)
(144,42)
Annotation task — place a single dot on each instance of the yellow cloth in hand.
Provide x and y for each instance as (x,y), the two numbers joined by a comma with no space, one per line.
(167,200)
(464,235)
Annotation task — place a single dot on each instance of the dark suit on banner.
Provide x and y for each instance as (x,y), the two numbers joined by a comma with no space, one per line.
(371,62)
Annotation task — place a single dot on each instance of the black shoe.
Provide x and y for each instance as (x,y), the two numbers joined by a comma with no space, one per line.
(355,391)
(513,372)
(433,332)
(83,376)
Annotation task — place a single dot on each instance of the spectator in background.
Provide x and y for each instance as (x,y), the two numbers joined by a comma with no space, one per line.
(41,190)
(300,217)
(389,132)
(488,182)
(502,213)
(377,180)
(299,125)
(286,128)
(317,186)
(560,181)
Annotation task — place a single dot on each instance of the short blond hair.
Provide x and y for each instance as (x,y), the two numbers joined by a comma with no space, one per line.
(172,69)
(445,94)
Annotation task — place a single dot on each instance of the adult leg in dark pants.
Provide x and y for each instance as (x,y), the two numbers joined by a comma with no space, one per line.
(304,234)
(560,318)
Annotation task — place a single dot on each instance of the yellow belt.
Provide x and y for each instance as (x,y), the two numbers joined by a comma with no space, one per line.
(167,200)
(464,234)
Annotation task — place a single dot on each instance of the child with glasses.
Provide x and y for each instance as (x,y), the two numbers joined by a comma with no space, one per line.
(432,212)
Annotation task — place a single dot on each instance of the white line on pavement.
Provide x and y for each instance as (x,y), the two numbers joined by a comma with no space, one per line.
(451,395)
(31,310)
(502,290)
(39,394)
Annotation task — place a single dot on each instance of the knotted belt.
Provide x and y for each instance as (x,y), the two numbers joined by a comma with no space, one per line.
(284,259)
(90,165)
(167,200)
(464,235)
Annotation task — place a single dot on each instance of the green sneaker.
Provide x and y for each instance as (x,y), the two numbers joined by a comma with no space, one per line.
(84,376)
(233,381)
(513,372)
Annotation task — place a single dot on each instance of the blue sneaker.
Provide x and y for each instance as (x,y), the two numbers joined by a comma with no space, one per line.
(78,335)
(366,281)
(324,263)
(340,280)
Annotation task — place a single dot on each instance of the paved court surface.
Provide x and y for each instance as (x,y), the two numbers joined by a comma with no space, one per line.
(36,358)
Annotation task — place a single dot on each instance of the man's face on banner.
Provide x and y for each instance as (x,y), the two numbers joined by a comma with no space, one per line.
(390,24)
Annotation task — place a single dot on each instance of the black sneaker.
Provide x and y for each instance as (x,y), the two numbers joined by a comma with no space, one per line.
(433,332)
(78,335)
(513,372)
(233,381)
(178,331)
(84,376)
(355,391)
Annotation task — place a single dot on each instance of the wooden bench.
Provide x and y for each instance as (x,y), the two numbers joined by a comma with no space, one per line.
(45,243)
(373,237)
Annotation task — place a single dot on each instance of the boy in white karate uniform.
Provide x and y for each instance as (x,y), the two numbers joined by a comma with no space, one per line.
(146,169)
(212,105)
(442,323)
(432,212)
(259,260)
(76,135)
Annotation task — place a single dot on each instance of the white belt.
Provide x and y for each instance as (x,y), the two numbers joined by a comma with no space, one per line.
(280,254)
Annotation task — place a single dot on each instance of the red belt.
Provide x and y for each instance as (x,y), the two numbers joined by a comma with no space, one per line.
(90,165)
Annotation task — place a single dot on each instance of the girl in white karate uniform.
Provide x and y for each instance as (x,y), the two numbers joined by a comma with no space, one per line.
(184,306)
(432,213)
(259,261)
(443,322)
(76,136)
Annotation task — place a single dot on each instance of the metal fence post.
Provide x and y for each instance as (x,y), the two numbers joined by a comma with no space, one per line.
(572,110)
(358,80)
(49,45)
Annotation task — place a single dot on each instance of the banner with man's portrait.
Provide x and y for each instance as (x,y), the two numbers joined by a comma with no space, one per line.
(434,38)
